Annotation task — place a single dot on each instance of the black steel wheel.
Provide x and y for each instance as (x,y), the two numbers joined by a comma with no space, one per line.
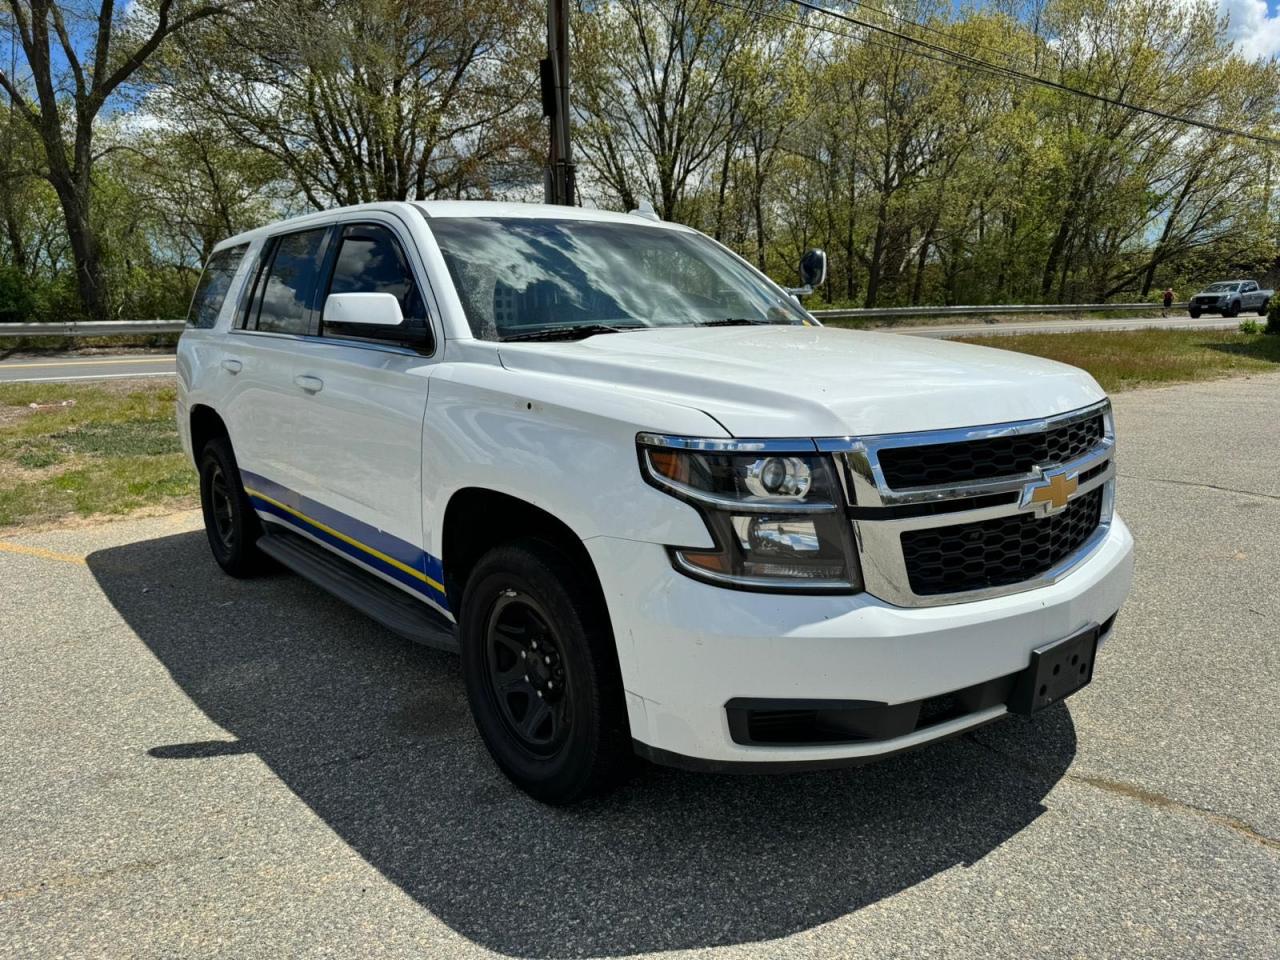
(229,521)
(221,506)
(541,671)
(526,674)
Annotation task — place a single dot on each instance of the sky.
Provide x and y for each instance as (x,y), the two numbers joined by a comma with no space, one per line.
(1254,26)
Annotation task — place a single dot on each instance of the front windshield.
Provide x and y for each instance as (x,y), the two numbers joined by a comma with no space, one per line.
(1221,287)
(519,278)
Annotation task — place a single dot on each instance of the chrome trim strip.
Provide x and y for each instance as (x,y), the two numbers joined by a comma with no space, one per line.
(728,444)
(961,434)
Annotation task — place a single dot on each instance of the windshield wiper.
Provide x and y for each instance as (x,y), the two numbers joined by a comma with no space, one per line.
(736,322)
(566,333)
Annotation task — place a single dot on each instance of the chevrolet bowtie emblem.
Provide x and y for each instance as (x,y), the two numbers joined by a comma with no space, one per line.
(1050,494)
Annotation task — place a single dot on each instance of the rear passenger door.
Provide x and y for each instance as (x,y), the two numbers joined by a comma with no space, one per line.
(263,402)
(359,444)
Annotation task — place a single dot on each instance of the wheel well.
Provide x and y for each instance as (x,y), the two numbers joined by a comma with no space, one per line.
(477,520)
(205,425)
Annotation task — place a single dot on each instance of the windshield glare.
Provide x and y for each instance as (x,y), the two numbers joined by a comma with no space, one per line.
(1220,287)
(518,276)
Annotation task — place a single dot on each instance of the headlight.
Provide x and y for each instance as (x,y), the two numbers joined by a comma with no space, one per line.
(774,510)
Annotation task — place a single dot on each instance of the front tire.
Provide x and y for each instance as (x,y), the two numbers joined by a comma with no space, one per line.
(1232,311)
(1195,312)
(229,520)
(541,672)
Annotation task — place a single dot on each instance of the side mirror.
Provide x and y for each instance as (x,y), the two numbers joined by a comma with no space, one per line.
(813,273)
(813,268)
(378,311)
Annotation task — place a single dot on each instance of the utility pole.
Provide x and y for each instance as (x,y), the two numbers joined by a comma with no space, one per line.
(554,75)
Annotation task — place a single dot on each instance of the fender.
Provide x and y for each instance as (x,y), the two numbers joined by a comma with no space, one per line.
(561,444)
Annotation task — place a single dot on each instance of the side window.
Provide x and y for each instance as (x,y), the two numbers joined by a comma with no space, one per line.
(212,289)
(1250,287)
(287,285)
(370,260)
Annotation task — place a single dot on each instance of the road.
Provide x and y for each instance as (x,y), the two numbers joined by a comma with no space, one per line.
(108,368)
(66,368)
(196,766)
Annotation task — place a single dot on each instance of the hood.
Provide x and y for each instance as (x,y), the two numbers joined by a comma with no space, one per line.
(781,381)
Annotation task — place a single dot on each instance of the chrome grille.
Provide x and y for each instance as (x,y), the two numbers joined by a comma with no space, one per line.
(987,459)
(955,515)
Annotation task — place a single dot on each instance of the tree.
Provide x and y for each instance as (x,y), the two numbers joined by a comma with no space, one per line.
(380,100)
(654,96)
(71,90)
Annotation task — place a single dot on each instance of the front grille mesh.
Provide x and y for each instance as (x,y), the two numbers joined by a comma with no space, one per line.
(988,459)
(999,552)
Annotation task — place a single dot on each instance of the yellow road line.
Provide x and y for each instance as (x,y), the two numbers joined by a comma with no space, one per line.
(418,574)
(41,552)
(80,363)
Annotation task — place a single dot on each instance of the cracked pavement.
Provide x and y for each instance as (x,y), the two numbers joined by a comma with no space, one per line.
(201,767)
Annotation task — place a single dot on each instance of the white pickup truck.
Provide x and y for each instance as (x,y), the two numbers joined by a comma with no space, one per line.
(656,507)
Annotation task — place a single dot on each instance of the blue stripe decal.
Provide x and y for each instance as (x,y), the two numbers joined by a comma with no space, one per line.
(316,515)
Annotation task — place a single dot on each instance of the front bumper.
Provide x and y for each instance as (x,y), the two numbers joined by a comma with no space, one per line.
(687,649)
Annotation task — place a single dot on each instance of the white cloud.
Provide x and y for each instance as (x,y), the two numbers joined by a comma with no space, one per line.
(1255,34)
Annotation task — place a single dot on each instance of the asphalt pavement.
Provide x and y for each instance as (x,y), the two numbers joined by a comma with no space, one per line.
(71,367)
(195,766)
(59,369)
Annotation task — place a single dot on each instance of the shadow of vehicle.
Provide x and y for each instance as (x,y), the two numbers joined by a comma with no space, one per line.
(374,735)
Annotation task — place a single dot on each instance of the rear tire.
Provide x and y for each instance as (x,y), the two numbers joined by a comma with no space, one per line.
(541,672)
(229,520)
(1264,307)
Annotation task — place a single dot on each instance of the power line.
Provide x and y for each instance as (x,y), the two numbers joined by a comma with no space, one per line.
(929,28)
(1032,65)
(956,58)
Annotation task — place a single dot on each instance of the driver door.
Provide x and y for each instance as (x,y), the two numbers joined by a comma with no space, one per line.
(358,449)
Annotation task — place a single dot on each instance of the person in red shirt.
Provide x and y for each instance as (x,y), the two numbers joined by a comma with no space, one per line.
(1168,301)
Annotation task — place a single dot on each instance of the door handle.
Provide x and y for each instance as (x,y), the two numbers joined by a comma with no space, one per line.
(309,383)
(232,365)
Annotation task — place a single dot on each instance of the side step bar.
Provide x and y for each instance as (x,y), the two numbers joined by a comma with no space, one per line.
(375,598)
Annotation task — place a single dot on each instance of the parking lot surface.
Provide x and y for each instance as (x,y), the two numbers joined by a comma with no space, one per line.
(195,766)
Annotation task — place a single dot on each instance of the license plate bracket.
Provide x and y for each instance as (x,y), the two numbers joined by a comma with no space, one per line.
(1057,670)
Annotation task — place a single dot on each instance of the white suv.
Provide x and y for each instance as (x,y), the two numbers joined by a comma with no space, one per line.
(654,504)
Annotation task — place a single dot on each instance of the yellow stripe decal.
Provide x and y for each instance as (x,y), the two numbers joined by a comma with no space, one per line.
(404,567)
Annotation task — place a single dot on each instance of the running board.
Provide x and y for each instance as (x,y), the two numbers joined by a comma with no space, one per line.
(372,596)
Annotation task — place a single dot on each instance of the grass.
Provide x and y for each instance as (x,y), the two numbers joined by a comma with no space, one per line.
(1125,359)
(89,450)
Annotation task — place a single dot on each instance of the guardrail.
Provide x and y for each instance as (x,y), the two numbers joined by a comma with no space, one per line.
(92,328)
(886,313)
(126,328)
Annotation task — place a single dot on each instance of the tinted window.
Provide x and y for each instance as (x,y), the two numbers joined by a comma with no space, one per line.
(288,290)
(370,261)
(516,276)
(206,304)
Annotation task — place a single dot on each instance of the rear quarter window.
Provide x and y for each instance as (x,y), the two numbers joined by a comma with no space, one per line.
(212,289)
